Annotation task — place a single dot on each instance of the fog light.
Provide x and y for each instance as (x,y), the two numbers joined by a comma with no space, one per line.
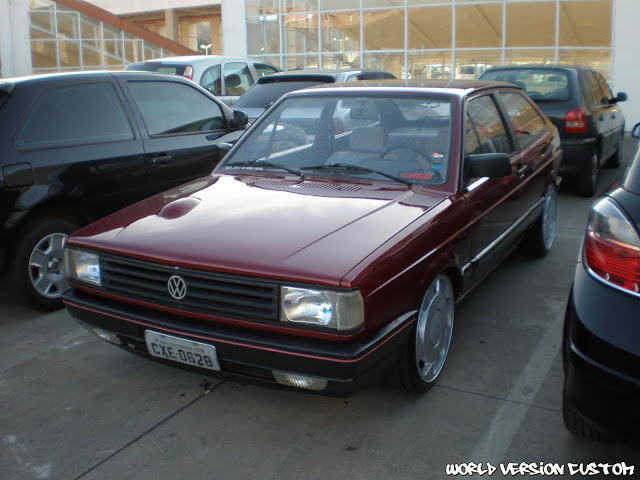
(106,336)
(300,381)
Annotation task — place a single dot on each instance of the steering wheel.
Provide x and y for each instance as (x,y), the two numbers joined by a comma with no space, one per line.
(535,95)
(421,155)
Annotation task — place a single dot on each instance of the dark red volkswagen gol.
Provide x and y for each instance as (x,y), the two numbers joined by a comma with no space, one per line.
(336,236)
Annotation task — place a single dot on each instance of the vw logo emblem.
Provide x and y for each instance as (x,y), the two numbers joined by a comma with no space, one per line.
(177,287)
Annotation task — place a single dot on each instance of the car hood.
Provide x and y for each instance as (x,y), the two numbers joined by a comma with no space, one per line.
(308,231)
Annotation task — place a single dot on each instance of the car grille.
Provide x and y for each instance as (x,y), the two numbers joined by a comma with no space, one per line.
(211,293)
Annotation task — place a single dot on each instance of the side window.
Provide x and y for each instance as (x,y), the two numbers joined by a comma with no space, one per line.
(488,124)
(75,115)
(169,108)
(263,70)
(603,86)
(237,78)
(598,95)
(586,87)
(526,121)
(211,80)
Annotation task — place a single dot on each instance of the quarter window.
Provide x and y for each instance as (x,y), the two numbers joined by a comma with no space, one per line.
(170,108)
(487,123)
(75,115)
(526,121)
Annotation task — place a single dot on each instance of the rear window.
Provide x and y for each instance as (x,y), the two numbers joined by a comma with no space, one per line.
(263,95)
(540,85)
(157,67)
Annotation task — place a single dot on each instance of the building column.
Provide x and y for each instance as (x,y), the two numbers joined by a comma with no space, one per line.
(234,28)
(15,43)
(173,25)
(626,69)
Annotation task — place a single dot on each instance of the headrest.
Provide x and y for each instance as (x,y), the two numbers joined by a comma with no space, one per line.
(232,80)
(368,139)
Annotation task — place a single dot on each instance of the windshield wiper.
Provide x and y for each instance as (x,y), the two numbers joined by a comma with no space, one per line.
(266,164)
(349,166)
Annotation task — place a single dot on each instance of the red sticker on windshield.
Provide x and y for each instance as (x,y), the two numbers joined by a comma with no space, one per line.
(417,176)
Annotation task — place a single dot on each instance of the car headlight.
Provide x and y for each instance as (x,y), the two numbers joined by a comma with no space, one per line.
(83,266)
(325,308)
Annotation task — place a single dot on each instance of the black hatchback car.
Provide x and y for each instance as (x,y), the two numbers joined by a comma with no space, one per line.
(76,147)
(580,104)
(601,347)
(270,88)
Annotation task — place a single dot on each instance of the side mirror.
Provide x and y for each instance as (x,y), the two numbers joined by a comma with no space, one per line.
(240,119)
(635,133)
(489,165)
(621,97)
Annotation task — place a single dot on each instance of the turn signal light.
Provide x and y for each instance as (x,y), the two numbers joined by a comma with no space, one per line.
(576,121)
(612,246)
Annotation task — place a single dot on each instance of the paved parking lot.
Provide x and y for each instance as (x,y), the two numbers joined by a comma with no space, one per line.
(74,407)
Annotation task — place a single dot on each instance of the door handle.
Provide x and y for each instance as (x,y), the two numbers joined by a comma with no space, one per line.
(522,170)
(161,160)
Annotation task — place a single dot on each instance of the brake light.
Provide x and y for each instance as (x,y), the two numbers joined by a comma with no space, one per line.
(576,121)
(612,246)
(188,72)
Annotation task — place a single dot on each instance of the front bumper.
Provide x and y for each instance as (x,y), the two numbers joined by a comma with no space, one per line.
(246,353)
(576,155)
(602,356)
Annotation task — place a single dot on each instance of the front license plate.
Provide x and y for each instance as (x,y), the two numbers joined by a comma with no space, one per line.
(181,350)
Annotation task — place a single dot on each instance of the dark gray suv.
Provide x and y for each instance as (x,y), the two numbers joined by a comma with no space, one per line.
(580,104)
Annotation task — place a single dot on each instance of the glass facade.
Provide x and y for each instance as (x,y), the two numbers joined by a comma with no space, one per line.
(430,38)
(66,40)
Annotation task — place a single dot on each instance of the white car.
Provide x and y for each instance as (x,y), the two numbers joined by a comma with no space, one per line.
(226,77)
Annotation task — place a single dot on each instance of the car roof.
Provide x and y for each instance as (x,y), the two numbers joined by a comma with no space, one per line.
(306,75)
(191,59)
(7,84)
(538,66)
(451,87)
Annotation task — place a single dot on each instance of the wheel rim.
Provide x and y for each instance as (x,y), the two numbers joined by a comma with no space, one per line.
(46,266)
(434,329)
(549,218)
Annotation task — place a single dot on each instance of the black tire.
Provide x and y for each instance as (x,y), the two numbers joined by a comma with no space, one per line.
(587,181)
(616,158)
(36,261)
(437,305)
(576,424)
(539,239)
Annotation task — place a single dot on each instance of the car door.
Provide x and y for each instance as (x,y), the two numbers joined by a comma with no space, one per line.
(236,79)
(600,113)
(534,149)
(81,142)
(183,126)
(614,116)
(494,204)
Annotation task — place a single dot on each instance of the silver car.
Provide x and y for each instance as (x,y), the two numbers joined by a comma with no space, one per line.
(226,77)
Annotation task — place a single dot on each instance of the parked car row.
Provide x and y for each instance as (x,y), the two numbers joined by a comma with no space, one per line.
(333,237)
(312,257)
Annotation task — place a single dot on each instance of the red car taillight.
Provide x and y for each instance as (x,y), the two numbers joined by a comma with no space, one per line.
(188,72)
(612,246)
(576,121)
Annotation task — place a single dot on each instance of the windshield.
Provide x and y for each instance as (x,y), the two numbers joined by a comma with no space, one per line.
(263,95)
(540,85)
(367,137)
